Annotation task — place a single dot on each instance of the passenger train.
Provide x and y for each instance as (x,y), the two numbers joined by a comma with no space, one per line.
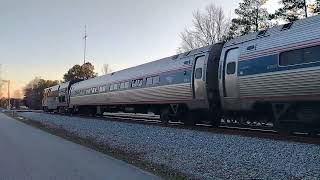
(272,75)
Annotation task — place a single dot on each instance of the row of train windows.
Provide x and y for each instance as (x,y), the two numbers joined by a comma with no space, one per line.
(135,83)
(124,85)
(153,80)
(293,57)
(62,99)
(300,56)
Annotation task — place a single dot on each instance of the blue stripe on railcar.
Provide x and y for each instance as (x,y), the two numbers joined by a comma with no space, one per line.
(267,64)
(170,78)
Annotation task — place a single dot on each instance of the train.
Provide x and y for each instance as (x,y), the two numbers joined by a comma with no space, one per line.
(270,76)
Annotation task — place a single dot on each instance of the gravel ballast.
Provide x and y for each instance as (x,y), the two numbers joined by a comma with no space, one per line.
(201,155)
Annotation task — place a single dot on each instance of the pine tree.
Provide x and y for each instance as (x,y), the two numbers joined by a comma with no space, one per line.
(315,8)
(291,10)
(251,16)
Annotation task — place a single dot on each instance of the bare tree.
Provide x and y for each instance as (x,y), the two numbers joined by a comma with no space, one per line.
(106,69)
(17,94)
(209,27)
(1,89)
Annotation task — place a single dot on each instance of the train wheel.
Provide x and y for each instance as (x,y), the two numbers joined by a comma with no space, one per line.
(215,119)
(190,118)
(284,128)
(165,115)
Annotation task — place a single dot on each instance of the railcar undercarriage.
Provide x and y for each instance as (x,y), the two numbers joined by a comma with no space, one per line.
(284,117)
(297,116)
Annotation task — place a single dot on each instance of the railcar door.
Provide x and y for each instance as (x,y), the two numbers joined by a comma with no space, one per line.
(230,78)
(198,78)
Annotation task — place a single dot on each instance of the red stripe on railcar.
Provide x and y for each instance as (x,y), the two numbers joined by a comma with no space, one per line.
(311,97)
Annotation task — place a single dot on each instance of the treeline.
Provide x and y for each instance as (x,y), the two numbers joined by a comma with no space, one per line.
(33,91)
(212,25)
(3,102)
(14,103)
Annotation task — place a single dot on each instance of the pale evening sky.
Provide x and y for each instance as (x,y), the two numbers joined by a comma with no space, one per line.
(44,38)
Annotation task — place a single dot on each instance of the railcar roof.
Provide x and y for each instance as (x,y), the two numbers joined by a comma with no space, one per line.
(160,65)
(53,88)
(64,85)
(275,31)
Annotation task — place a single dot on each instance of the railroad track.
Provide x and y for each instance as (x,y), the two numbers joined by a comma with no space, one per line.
(265,132)
(254,132)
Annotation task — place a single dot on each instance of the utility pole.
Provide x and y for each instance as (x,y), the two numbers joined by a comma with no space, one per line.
(85,44)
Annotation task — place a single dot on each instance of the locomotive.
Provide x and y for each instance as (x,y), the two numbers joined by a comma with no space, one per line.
(271,76)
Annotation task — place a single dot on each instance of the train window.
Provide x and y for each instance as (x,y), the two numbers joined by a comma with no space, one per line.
(101,88)
(122,85)
(149,81)
(300,56)
(115,86)
(231,68)
(111,87)
(198,74)
(291,57)
(94,90)
(126,85)
(311,54)
(156,79)
(136,83)
(133,83)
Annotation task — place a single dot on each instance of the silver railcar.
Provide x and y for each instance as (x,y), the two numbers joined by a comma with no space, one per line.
(57,98)
(275,73)
(50,98)
(172,86)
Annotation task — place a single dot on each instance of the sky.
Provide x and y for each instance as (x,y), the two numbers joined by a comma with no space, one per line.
(42,38)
